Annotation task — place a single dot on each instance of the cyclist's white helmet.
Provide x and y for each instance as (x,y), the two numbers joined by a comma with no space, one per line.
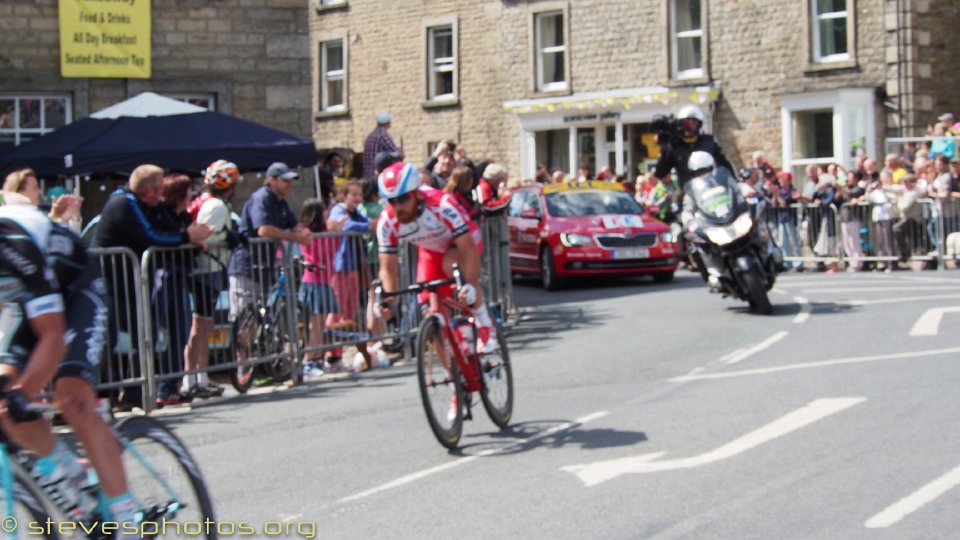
(700,162)
(398,179)
(691,111)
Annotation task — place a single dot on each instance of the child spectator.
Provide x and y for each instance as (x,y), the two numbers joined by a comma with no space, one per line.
(371,208)
(339,193)
(315,294)
(345,217)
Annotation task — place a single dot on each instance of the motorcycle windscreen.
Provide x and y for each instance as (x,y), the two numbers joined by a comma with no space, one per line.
(717,196)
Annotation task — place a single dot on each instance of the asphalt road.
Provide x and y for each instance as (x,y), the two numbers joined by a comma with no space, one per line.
(642,411)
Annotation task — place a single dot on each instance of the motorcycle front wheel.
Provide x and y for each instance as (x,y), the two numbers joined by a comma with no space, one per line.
(756,292)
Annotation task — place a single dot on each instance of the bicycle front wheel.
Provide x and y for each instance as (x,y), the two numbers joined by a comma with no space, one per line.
(497,392)
(165,481)
(439,381)
(29,506)
(281,341)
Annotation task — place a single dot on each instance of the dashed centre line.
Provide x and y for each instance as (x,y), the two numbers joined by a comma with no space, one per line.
(805,310)
(742,354)
(915,501)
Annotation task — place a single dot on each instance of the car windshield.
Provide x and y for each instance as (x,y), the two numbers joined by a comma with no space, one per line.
(590,203)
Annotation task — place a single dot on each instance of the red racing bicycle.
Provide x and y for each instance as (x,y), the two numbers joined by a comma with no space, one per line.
(445,386)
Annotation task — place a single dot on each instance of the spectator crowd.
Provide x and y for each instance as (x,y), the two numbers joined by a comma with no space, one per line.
(876,215)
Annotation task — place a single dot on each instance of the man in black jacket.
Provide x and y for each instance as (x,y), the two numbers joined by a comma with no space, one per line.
(676,154)
(132,218)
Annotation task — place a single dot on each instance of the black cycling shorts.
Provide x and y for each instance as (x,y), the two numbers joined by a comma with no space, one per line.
(206,289)
(86,312)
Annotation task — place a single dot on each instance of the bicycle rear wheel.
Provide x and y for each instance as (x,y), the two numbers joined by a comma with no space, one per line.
(440,387)
(497,391)
(164,480)
(245,340)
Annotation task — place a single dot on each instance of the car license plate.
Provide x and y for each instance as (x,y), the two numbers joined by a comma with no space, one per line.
(218,338)
(631,254)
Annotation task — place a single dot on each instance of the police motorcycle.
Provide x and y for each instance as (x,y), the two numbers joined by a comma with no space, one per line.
(731,243)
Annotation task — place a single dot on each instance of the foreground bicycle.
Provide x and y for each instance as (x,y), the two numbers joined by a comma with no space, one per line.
(445,385)
(163,478)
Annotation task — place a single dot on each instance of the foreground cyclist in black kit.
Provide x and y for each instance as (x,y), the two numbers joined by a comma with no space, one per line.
(53,327)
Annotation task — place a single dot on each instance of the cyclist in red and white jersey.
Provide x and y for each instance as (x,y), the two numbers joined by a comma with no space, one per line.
(444,234)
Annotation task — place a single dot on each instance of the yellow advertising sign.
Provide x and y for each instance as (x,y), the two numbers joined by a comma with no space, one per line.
(105,38)
(582,186)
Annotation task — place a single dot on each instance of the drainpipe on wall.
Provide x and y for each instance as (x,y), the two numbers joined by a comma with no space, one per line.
(900,118)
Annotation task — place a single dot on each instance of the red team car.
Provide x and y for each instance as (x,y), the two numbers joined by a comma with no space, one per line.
(561,231)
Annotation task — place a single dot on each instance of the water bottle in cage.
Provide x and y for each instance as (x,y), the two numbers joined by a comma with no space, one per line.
(465,335)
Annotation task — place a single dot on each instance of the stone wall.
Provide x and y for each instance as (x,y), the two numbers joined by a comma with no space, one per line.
(758,50)
(252,55)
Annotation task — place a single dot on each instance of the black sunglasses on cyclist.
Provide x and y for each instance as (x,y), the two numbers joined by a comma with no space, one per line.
(402,199)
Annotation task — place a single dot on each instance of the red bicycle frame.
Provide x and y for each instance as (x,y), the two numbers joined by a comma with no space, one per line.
(441,306)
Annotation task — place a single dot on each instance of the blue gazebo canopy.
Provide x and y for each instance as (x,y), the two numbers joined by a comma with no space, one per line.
(153,129)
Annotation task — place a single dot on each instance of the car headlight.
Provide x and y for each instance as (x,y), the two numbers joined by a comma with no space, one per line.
(666,237)
(724,235)
(576,240)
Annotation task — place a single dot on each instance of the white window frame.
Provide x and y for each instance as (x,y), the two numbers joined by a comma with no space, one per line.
(540,51)
(19,132)
(332,75)
(815,20)
(848,106)
(675,36)
(449,64)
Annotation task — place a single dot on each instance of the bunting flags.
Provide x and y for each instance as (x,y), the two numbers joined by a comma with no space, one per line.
(698,96)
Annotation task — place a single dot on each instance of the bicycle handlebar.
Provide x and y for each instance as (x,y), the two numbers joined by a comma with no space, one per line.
(19,406)
(380,294)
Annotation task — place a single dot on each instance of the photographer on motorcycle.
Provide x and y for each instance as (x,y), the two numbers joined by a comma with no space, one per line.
(677,143)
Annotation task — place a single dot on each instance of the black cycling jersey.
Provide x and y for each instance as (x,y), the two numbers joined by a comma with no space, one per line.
(44,268)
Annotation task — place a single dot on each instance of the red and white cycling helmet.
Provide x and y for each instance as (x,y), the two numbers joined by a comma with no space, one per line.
(221,175)
(398,179)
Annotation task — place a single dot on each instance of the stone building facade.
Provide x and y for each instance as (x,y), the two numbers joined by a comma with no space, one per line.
(565,82)
(247,58)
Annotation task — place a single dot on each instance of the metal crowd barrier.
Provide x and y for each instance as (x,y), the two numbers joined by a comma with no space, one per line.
(122,367)
(156,301)
(862,233)
(495,277)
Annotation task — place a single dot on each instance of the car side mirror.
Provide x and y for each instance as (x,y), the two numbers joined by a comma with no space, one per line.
(530,213)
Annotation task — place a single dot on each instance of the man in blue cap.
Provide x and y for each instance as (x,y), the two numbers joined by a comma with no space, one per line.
(266,214)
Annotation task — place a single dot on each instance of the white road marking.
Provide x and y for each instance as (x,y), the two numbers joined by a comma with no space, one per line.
(916,500)
(809,365)
(834,280)
(464,460)
(598,472)
(899,300)
(742,354)
(885,289)
(929,323)
(805,310)
(778,290)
